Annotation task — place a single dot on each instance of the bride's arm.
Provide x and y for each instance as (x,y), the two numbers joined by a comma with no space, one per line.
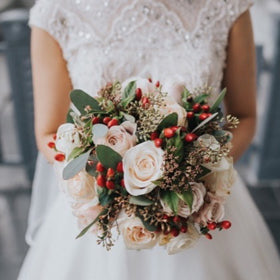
(51,84)
(240,80)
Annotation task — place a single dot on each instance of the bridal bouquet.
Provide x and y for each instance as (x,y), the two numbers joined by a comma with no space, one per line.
(149,162)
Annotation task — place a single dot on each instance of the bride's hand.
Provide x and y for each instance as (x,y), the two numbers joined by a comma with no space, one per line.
(51,84)
(240,80)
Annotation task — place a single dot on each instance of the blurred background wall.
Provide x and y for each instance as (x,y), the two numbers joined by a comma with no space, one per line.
(260,166)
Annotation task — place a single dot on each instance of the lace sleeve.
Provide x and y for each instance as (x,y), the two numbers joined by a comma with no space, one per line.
(237,8)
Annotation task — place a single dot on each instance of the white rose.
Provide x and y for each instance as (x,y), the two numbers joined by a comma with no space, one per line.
(67,138)
(221,178)
(119,137)
(171,106)
(142,165)
(136,236)
(81,188)
(199,192)
(212,211)
(208,141)
(183,241)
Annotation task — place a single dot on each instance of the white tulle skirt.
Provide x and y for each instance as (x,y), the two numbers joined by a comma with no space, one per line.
(245,252)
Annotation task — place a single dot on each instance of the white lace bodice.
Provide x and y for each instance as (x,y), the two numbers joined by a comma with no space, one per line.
(180,40)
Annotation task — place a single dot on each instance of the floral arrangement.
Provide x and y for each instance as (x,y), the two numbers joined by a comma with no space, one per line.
(155,170)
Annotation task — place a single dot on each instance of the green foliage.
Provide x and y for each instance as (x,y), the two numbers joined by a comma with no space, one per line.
(140,200)
(75,166)
(179,145)
(128,94)
(105,196)
(204,172)
(81,100)
(218,101)
(168,121)
(171,199)
(75,153)
(69,118)
(187,197)
(107,156)
(146,224)
(201,98)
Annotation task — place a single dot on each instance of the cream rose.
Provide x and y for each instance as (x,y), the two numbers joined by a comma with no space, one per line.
(87,214)
(184,210)
(136,236)
(183,241)
(212,211)
(171,106)
(174,87)
(221,178)
(142,165)
(81,188)
(119,137)
(67,138)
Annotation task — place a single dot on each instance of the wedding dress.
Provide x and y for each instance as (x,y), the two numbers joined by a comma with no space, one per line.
(179,42)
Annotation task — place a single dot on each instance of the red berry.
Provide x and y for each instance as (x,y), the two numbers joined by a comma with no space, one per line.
(205,108)
(157,84)
(110,172)
(110,185)
(150,80)
(51,145)
(175,232)
(203,116)
(138,94)
(122,183)
(196,107)
(208,236)
(113,122)
(145,101)
(95,120)
(165,217)
(190,115)
(176,219)
(154,135)
(158,142)
(101,180)
(226,224)
(100,167)
(169,132)
(54,137)
(59,157)
(106,120)
(212,226)
(190,137)
(184,229)
(120,167)
(174,128)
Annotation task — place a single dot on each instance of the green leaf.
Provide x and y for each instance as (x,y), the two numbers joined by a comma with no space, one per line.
(179,145)
(85,230)
(75,166)
(204,172)
(69,118)
(218,101)
(206,121)
(140,200)
(168,121)
(91,168)
(171,199)
(128,94)
(107,156)
(146,224)
(187,197)
(157,182)
(104,196)
(201,98)
(81,100)
(75,152)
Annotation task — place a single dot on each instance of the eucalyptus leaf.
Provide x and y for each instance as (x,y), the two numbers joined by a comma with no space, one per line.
(81,100)
(75,166)
(168,121)
(99,130)
(218,101)
(69,118)
(201,98)
(128,94)
(85,230)
(205,121)
(187,197)
(107,156)
(140,200)
(171,199)
(75,153)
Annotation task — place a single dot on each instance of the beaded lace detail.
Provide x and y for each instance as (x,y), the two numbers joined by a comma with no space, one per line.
(183,40)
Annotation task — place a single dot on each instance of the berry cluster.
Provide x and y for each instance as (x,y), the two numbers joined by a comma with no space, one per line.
(106,120)
(176,225)
(109,178)
(212,226)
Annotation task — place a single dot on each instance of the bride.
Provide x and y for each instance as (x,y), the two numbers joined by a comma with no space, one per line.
(86,43)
